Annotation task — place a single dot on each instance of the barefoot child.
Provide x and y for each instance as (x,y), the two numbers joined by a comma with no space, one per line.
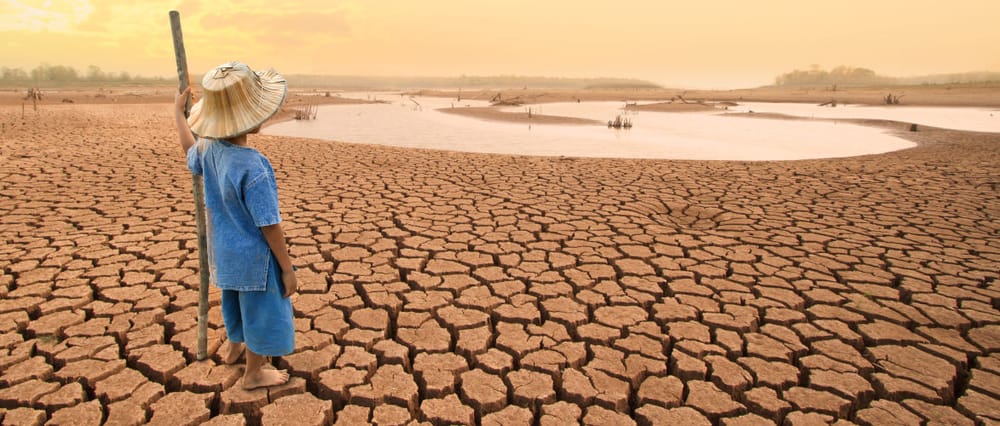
(250,261)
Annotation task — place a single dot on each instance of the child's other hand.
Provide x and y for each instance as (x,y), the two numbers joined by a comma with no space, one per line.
(291,283)
(180,100)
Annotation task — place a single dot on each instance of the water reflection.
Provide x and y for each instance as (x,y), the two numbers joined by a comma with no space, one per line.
(698,136)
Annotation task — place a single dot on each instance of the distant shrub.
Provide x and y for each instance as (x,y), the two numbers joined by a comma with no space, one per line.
(852,76)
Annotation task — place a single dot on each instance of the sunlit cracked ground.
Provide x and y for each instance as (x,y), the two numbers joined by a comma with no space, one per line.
(458,288)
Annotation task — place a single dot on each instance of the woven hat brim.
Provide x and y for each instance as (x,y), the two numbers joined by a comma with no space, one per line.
(240,110)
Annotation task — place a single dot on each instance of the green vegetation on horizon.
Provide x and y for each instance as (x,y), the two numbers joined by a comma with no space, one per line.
(46,75)
(467,82)
(851,76)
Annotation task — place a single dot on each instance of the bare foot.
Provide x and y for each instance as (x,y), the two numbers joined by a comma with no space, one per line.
(233,352)
(264,377)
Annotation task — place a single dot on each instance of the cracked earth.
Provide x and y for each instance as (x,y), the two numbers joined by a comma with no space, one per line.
(447,288)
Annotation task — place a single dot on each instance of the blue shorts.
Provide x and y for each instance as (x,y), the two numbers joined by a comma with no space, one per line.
(261,319)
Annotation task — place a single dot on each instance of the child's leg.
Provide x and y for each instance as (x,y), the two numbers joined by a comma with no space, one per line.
(232,317)
(233,352)
(256,376)
(269,330)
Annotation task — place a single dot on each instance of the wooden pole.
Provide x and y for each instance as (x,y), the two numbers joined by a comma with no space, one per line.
(199,195)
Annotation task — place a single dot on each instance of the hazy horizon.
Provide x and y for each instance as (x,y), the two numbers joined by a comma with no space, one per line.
(712,45)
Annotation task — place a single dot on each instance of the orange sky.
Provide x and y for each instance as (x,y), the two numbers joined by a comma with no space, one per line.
(706,43)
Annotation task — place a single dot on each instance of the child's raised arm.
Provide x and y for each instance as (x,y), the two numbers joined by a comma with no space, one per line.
(183,131)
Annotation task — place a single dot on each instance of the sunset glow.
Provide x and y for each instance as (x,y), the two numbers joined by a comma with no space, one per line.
(712,44)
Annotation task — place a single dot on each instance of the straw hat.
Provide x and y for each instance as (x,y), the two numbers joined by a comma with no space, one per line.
(236,100)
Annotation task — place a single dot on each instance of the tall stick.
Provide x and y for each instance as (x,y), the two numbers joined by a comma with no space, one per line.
(199,195)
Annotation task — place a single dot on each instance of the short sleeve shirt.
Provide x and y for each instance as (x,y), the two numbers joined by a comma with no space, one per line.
(241,195)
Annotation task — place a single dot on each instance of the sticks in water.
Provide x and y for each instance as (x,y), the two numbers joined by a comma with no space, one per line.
(309,113)
(620,123)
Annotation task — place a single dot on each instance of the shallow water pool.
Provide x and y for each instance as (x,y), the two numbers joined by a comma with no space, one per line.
(417,123)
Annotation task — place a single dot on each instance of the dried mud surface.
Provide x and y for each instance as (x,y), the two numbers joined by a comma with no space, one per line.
(449,288)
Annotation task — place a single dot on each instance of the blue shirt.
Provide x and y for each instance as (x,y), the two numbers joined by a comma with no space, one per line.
(241,195)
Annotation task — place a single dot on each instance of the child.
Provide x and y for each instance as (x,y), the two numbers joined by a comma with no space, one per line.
(250,261)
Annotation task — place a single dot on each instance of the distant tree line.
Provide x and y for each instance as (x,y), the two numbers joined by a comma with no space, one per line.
(464,81)
(842,75)
(46,73)
(852,76)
